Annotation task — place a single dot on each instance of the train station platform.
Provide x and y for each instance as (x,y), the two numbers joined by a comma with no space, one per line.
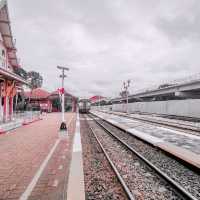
(76,188)
(175,121)
(180,144)
(37,164)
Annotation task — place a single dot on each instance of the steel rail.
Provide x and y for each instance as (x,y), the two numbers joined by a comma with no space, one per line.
(121,180)
(181,191)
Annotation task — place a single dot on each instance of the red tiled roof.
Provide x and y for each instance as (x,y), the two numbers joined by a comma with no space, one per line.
(56,93)
(37,94)
(96,98)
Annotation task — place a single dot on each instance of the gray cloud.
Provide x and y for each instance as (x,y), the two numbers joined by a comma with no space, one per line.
(180,24)
(106,42)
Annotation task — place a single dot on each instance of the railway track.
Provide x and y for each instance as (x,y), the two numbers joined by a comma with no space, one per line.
(175,188)
(170,124)
(99,170)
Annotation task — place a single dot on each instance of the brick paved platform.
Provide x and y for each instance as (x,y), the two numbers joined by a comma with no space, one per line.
(23,151)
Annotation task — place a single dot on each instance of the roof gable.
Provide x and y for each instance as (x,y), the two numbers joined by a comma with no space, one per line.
(37,94)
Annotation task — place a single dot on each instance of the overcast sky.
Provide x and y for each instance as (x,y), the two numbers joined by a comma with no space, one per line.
(107,41)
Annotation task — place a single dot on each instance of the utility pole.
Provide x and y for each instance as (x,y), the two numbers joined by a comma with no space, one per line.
(126,85)
(63,126)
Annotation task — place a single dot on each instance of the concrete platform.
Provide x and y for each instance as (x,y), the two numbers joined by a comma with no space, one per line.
(183,145)
(163,121)
(76,188)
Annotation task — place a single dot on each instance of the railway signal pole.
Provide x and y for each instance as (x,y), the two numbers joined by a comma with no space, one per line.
(126,85)
(63,126)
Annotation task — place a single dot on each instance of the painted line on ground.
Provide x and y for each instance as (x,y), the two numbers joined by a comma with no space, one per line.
(69,122)
(76,175)
(77,140)
(32,184)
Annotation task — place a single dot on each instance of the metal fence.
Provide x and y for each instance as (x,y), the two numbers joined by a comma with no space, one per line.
(26,115)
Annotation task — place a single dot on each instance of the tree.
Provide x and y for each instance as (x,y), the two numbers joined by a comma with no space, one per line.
(35,79)
(21,72)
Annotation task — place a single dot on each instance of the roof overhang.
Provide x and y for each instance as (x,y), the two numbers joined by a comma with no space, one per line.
(11,76)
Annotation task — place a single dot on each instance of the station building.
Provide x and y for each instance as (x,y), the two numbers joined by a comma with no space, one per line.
(39,98)
(70,101)
(97,100)
(10,82)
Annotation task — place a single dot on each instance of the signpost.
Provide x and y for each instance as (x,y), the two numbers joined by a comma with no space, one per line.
(63,126)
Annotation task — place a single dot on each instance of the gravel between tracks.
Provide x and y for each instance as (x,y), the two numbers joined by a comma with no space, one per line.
(100,180)
(189,179)
(142,181)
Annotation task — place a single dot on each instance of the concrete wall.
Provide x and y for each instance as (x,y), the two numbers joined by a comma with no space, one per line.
(188,108)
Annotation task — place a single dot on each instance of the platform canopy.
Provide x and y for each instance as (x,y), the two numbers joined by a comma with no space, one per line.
(12,76)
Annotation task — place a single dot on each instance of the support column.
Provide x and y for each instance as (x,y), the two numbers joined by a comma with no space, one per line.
(1,109)
(5,109)
(11,108)
(74,105)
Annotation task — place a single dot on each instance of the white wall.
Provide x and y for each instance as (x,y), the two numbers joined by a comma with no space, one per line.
(188,108)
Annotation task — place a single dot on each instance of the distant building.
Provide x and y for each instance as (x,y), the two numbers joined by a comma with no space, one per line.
(39,99)
(70,102)
(10,82)
(96,99)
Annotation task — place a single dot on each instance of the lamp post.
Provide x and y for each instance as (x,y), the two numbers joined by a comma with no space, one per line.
(63,126)
(126,85)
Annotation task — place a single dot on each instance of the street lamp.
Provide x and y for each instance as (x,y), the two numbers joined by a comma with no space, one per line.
(126,85)
(63,126)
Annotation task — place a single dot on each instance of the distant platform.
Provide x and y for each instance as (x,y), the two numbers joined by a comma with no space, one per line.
(182,145)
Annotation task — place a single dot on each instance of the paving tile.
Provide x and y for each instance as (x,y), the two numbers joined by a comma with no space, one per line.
(23,150)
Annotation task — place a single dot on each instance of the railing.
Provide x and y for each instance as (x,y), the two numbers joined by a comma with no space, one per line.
(26,115)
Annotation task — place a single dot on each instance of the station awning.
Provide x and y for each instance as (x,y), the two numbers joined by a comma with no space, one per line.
(12,76)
